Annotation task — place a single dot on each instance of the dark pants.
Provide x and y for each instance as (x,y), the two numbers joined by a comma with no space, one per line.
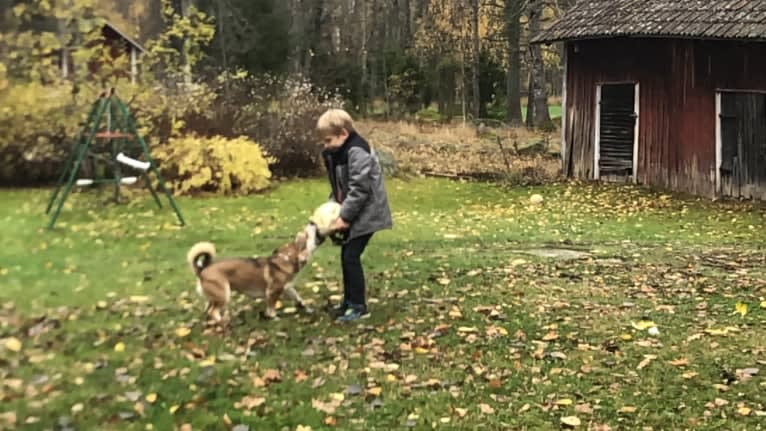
(353,274)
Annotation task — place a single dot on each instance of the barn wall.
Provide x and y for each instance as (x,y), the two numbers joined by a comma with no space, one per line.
(678,79)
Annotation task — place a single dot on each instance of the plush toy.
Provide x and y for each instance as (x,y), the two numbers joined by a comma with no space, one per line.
(324,217)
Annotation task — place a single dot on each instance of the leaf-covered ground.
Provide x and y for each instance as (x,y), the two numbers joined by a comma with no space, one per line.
(603,307)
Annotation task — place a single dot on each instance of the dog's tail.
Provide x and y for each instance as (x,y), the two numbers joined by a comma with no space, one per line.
(200,256)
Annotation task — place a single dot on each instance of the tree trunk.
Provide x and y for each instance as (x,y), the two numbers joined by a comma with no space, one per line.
(296,36)
(542,118)
(513,75)
(530,100)
(475,48)
(365,94)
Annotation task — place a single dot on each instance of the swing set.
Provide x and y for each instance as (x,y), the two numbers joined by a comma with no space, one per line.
(119,145)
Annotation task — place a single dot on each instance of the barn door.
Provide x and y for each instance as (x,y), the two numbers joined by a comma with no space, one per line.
(741,149)
(616,132)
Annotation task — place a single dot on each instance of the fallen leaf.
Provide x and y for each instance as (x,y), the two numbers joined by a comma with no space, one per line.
(564,402)
(647,359)
(626,409)
(151,398)
(376,391)
(572,421)
(182,331)
(689,374)
(741,308)
(300,376)
(272,375)
(486,409)
(744,411)
(119,347)
(173,408)
(643,324)
(303,428)
(77,408)
(461,412)
(550,336)
(13,344)
(680,362)
(186,427)
(330,421)
(249,402)
(210,361)
(584,408)
(139,298)
(8,418)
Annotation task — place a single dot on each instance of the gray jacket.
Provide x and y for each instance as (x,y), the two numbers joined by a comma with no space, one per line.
(357,184)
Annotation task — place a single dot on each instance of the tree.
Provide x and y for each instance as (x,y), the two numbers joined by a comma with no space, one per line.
(513,12)
(538,86)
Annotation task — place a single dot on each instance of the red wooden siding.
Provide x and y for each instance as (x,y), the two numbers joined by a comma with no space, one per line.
(678,80)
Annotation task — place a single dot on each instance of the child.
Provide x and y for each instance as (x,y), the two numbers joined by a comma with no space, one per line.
(356,180)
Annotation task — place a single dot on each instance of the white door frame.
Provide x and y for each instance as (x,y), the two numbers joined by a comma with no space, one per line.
(718,143)
(636,109)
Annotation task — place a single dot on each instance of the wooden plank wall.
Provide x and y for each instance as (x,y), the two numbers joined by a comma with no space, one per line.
(678,82)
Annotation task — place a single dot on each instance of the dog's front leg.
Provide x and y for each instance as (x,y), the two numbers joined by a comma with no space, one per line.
(271,304)
(292,294)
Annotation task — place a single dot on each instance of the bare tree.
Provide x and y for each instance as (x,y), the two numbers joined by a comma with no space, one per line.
(475,66)
(513,11)
(541,116)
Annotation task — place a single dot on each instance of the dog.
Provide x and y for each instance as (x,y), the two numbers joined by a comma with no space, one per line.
(259,277)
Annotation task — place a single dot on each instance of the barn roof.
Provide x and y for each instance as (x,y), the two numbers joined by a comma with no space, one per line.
(123,35)
(690,19)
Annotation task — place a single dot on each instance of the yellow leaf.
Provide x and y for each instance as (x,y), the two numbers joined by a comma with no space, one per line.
(461,412)
(627,409)
(564,402)
(139,298)
(744,411)
(151,398)
(550,336)
(626,337)
(763,304)
(741,308)
(572,421)
(173,408)
(679,362)
(183,331)
(689,375)
(119,347)
(376,391)
(208,362)
(13,344)
(303,428)
(643,324)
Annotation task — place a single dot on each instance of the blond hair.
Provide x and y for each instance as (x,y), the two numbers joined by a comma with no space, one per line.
(334,121)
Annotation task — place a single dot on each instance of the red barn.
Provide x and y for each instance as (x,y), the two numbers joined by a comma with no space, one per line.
(668,93)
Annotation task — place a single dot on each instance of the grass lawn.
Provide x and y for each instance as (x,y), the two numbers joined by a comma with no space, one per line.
(473,326)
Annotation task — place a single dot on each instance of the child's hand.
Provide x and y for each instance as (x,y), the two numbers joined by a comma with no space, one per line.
(341,224)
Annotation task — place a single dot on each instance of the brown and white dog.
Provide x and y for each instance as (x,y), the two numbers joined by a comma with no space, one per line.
(258,277)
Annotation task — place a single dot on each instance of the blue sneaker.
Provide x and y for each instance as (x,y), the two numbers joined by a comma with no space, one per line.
(353,314)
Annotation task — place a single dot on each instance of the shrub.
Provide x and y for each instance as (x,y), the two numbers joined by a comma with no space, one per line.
(217,164)
(281,115)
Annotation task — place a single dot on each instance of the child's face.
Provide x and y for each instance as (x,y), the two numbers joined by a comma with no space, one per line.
(333,142)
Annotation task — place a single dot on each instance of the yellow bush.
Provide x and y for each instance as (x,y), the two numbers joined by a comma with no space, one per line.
(217,164)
